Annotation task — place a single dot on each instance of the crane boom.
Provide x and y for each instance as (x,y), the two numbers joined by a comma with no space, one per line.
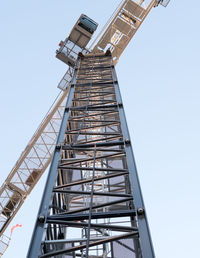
(31,164)
(33,161)
(122,27)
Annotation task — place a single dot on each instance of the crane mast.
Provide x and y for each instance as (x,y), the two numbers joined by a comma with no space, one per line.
(36,157)
(92,186)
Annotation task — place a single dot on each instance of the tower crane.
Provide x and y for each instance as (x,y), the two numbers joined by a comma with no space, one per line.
(114,37)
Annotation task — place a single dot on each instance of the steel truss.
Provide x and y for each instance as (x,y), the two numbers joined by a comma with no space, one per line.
(92,204)
(31,165)
(37,155)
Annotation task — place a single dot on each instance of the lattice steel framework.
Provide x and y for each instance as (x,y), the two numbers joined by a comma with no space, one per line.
(92,204)
(31,164)
(37,155)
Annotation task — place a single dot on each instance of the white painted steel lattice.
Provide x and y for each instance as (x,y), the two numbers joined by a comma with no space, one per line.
(122,26)
(31,164)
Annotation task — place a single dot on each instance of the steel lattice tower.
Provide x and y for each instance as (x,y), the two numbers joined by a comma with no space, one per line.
(92,204)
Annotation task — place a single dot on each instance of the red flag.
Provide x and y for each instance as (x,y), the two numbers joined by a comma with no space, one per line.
(16,226)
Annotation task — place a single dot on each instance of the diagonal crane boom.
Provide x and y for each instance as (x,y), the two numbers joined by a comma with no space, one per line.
(36,157)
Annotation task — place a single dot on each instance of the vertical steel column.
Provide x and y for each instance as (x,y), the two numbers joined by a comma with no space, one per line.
(38,234)
(92,204)
(143,227)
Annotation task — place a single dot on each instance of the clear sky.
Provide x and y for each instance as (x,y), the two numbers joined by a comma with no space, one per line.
(159,77)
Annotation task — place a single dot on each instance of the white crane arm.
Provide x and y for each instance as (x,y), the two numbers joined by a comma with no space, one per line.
(31,164)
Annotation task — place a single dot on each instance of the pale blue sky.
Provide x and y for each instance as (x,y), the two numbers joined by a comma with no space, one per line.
(159,77)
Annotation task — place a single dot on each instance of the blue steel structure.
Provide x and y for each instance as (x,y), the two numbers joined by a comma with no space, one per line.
(92,204)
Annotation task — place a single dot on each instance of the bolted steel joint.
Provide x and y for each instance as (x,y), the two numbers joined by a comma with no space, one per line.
(127,141)
(58,146)
(140,211)
(41,219)
(120,104)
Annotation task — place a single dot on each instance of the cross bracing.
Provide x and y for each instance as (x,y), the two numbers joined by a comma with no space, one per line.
(34,160)
(31,164)
(92,204)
